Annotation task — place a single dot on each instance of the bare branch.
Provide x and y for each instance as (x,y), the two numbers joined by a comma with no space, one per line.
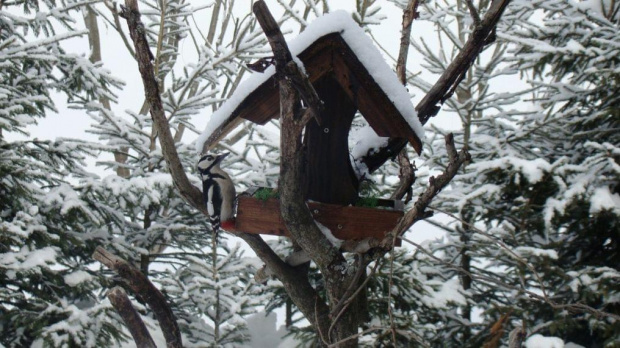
(297,287)
(151,90)
(285,65)
(117,26)
(352,291)
(406,175)
(436,184)
(407,171)
(306,90)
(295,213)
(295,283)
(463,61)
(142,286)
(473,12)
(362,333)
(294,210)
(135,325)
(409,14)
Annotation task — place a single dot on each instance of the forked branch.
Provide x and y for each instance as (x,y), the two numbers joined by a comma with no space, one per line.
(436,184)
(480,37)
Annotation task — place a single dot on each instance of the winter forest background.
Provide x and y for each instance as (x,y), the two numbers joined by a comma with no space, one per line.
(525,237)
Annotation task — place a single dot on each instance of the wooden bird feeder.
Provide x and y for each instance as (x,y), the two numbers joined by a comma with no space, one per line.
(262,216)
(345,86)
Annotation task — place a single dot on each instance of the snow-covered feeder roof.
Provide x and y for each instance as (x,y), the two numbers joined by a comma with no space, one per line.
(333,45)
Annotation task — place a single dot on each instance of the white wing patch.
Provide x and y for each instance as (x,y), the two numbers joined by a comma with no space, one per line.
(210,207)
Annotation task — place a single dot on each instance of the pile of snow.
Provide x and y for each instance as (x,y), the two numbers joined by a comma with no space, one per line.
(540,341)
(604,199)
(263,332)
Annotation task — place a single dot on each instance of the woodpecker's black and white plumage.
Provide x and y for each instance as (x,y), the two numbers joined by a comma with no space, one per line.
(218,191)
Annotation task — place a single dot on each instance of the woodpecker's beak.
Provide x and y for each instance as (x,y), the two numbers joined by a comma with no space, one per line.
(221,157)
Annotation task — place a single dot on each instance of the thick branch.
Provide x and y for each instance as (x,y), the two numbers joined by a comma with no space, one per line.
(140,284)
(473,12)
(463,61)
(302,84)
(445,85)
(295,283)
(295,213)
(285,66)
(135,325)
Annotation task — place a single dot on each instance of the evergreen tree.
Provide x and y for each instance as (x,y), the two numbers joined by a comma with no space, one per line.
(572,57)
(169,240)
(537,206)
(218,286)
(49,224)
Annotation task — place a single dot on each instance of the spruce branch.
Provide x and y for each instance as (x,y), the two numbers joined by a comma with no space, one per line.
(573,307)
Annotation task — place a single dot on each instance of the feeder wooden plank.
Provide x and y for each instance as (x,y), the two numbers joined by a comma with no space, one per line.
(264,103)
(371,101)
(345,222)
(329,176)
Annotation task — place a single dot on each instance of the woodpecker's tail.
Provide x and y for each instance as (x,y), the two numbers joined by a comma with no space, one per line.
(215,223)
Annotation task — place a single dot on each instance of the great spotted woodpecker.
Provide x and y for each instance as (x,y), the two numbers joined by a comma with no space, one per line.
(218,192)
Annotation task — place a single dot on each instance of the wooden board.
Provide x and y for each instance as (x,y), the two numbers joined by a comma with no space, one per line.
(329,175)
(345,222)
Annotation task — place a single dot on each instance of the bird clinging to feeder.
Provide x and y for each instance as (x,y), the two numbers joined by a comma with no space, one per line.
(218,192)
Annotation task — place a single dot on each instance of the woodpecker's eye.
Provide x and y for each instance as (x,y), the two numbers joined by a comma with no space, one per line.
(209,158)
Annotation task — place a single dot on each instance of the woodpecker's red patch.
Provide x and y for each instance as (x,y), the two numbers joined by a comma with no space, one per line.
(228,225)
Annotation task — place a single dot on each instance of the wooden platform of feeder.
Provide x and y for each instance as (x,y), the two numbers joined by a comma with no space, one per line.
(260,216)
